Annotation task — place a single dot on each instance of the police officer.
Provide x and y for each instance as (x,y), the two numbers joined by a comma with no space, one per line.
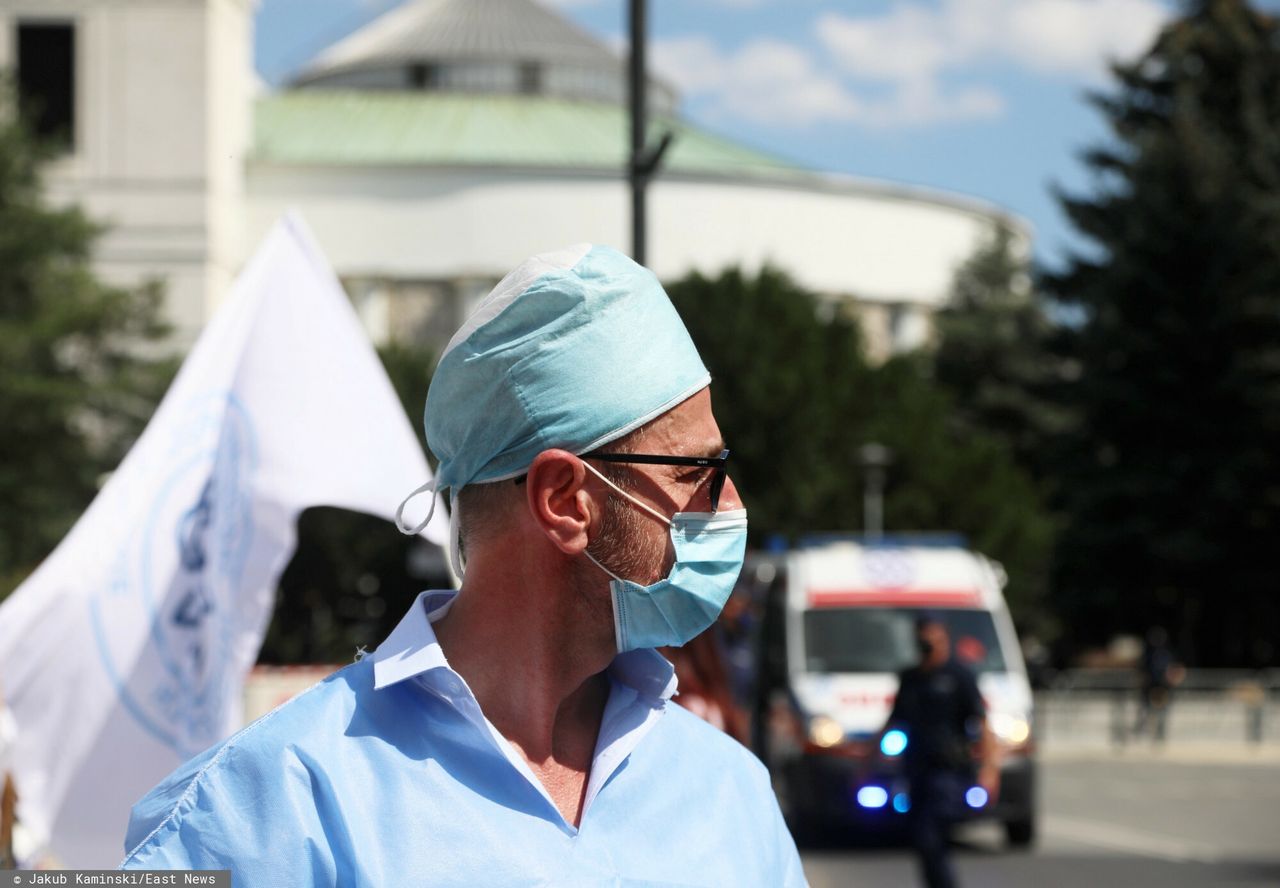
(941,711)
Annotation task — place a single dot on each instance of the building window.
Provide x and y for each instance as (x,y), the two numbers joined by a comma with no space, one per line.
(46,80)
(530,78)
(424,76)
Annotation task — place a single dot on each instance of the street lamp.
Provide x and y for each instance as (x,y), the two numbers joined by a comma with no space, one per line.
(645,157)
(875,459)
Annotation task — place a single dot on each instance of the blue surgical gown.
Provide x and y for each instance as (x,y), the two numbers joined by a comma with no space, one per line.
(388,773)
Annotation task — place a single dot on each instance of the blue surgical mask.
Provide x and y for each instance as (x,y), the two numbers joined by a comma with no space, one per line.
(709,548)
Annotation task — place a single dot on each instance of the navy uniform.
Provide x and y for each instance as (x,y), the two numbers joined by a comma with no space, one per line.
(941,711)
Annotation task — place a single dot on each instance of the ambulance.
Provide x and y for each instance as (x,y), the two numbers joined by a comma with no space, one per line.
(839,626)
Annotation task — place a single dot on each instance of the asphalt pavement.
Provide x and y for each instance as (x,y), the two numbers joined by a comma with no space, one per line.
(1140,818)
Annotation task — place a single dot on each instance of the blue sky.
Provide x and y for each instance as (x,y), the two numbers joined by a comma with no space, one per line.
(978,97)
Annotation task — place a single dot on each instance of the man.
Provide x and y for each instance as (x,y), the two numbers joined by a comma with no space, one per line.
(518,732)
(1159,673)
(940,710)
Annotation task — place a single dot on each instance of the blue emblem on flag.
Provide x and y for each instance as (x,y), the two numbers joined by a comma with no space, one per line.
(182,573)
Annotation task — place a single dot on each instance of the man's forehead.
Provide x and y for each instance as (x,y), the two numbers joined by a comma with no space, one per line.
(689,426)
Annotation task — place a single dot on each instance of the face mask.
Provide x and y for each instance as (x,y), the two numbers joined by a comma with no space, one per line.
(709,548)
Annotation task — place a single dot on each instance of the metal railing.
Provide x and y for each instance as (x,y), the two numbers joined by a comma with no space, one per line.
(1105,707)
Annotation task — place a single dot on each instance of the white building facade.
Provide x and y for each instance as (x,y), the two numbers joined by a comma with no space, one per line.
(433,150)
(155,132)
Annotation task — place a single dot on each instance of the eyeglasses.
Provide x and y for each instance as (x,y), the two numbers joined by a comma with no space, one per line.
(715,463)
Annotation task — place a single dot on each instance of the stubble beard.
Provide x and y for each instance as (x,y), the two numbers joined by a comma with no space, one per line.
(626,546)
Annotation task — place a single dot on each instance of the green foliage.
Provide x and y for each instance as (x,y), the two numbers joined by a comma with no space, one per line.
(997,355)
(409,367)
(796,398)
(950,476)
(1171,486)
(777,373)
(76,388)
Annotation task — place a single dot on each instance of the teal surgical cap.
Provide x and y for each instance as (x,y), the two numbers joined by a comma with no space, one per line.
(573,349)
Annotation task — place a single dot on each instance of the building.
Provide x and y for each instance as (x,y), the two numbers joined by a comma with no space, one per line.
(431,151)
(152,101)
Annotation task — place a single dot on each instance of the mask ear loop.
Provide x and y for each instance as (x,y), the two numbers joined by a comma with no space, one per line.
(429,487)
(652,511)
(455,534)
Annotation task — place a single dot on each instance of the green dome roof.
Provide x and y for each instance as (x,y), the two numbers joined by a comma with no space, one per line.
(387,128)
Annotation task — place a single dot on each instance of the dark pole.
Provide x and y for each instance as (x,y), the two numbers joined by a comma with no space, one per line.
(636,171)
(875,459)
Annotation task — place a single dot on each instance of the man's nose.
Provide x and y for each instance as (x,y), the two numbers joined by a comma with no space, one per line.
(729,499)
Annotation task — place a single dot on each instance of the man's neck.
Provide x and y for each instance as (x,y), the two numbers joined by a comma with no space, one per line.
(535,670)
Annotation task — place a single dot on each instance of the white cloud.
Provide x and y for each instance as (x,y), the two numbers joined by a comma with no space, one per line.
(1077,36)
(767,81)
(920,52)
(896,47)
(921,102)
(914,42)
(778,83)
(920,62)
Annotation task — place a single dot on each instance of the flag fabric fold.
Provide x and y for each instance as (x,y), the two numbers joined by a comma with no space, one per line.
(125,652)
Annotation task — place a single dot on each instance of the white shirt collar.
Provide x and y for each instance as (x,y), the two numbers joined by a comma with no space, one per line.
(411,648)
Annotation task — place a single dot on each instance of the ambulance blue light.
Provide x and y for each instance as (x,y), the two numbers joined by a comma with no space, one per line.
(893,742)
(873,797)
(976,797)
(902,803)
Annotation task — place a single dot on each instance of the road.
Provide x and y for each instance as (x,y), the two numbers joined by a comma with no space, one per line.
(1140,820)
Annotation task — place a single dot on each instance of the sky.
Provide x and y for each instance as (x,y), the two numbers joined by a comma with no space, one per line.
(984,98)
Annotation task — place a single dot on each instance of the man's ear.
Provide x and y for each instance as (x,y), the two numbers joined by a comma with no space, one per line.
(558,500)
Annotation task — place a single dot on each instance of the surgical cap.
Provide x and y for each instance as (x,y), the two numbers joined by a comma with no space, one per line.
(573,349)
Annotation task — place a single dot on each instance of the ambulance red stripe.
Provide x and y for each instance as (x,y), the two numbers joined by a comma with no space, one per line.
(904,597)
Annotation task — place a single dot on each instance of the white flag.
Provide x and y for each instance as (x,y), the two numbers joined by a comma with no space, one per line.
(125,653)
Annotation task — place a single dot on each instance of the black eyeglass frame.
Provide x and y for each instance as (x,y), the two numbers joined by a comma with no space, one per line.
(717,463)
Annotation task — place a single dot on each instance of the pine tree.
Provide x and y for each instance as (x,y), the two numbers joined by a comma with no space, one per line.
(74,390)
(1172,487)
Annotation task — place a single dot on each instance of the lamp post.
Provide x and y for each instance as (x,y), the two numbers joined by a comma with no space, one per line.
(639,122)
(875,459)
(644,159)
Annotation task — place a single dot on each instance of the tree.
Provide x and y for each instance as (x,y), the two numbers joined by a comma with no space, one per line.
(796,398)
(997,357)
(997,354)
(778,372)
(1172,486)
(948,475)
(76,388)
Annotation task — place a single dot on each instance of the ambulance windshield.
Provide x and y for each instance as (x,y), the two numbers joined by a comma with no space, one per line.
(882,639)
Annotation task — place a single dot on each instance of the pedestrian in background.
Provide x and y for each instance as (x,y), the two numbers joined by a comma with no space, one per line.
(939,708)
(1159,673)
